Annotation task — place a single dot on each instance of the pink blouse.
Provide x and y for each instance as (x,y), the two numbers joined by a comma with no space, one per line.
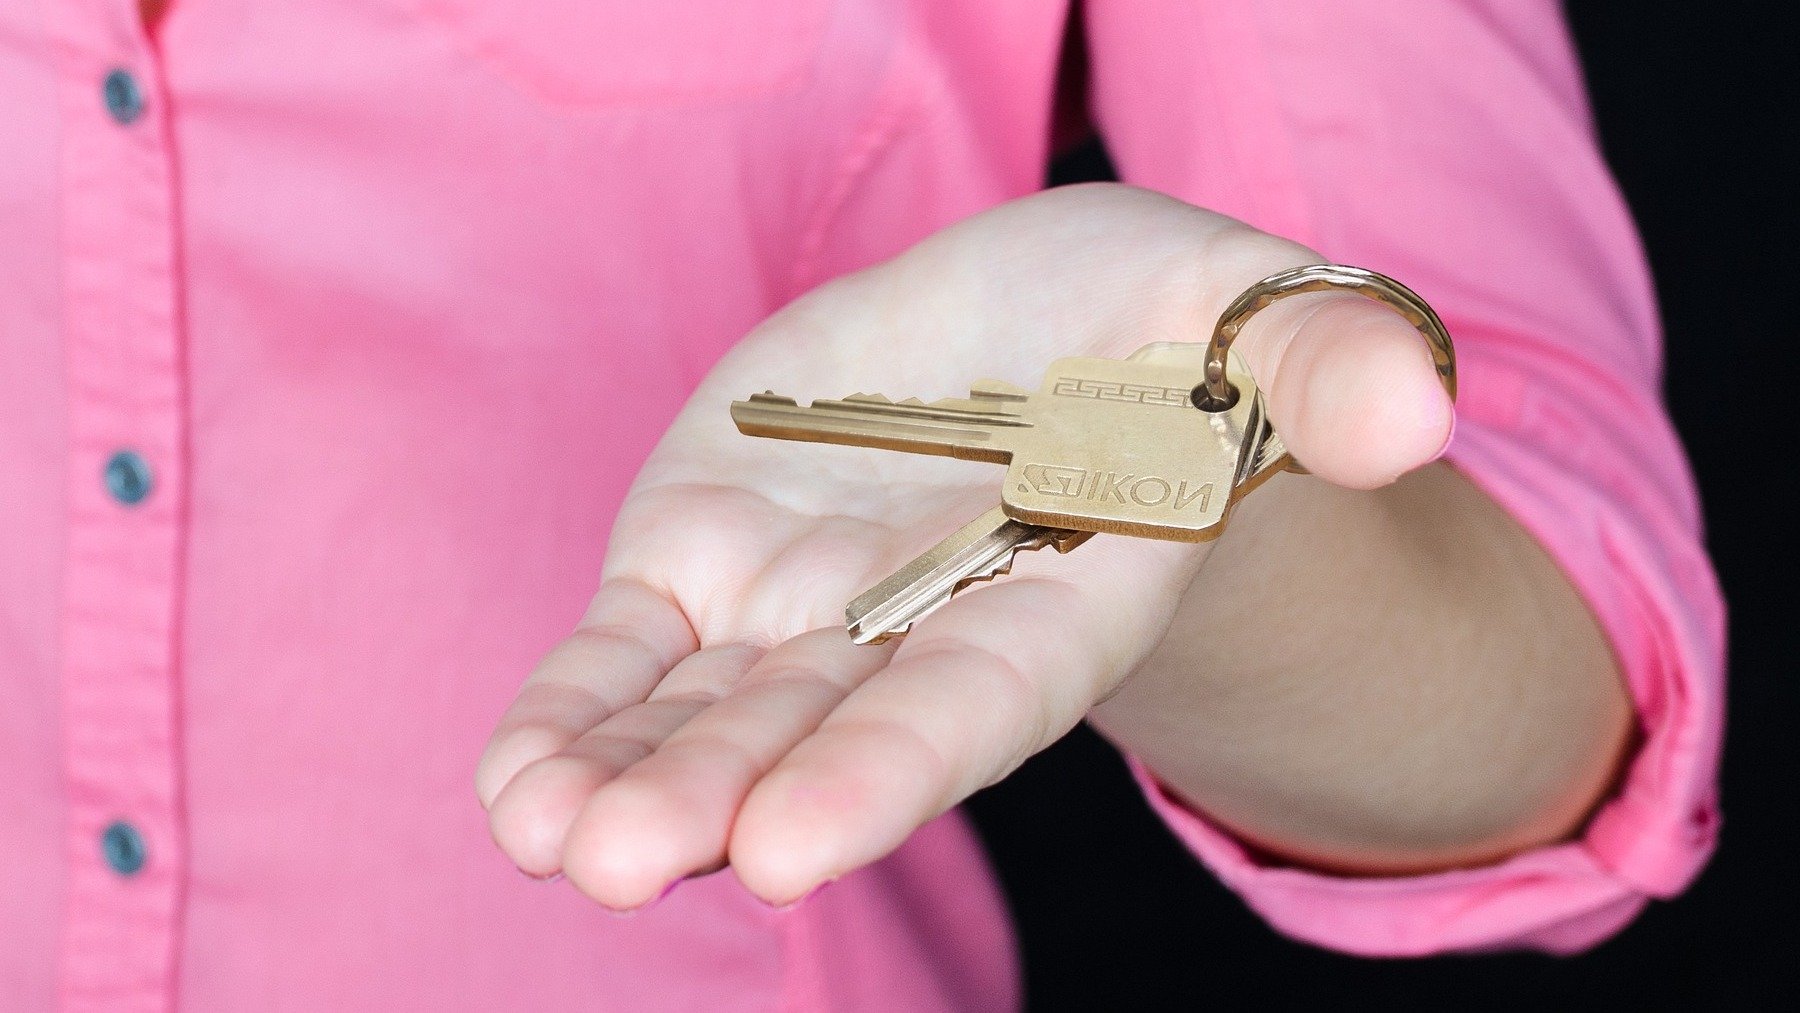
(332,333)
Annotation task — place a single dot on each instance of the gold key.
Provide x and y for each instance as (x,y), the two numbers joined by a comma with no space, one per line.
(1001,423)
(985,547)
(985,427)
(1103,445)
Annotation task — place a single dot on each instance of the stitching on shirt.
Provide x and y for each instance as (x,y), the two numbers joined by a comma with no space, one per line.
(1658,794)
(894,107)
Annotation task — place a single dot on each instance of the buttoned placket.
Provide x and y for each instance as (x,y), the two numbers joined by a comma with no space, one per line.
(126,849)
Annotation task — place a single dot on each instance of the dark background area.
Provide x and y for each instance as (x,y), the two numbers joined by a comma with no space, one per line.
(1697,110)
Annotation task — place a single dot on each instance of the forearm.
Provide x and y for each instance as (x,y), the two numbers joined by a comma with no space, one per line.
(1384,682)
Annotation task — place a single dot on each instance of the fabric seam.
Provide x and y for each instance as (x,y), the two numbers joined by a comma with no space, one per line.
(894,107)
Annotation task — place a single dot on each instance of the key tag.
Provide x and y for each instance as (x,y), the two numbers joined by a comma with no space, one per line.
(1216,392)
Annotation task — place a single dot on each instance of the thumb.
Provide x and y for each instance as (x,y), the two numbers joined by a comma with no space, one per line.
(1350,386)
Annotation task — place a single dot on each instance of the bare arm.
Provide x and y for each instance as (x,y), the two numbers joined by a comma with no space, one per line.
(1380,682)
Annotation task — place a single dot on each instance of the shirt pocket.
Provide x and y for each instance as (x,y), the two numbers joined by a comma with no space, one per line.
(612,52)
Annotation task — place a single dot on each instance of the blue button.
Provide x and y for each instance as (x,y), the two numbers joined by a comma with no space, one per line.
(128,477)
(124,99)
(123,847)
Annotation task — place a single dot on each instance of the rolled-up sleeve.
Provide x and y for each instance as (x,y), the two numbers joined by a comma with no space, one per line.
(1450,145)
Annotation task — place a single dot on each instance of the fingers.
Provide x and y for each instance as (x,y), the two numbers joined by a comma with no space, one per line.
(629,638)
(530,819)
(1351,387)
(670,815)
(991,679)
(816,759)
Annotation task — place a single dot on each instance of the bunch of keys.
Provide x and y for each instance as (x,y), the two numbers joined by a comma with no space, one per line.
(1160,445)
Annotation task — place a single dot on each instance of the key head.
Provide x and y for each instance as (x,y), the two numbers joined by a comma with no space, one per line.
(1119,446)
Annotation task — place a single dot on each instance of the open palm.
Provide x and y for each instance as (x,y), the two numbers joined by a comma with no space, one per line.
(710,708)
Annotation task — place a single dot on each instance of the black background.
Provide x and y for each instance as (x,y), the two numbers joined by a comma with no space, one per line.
(1697,111)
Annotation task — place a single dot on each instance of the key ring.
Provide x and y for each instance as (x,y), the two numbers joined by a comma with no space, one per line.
(1215,393)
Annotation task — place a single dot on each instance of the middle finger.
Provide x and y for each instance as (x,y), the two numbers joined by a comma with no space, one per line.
(670,815)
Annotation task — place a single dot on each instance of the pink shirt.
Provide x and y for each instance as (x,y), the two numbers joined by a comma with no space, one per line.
(389,298)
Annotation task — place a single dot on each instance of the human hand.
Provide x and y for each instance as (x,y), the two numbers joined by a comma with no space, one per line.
(709,709)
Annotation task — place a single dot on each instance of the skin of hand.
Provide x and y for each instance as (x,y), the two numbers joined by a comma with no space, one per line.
(709,709)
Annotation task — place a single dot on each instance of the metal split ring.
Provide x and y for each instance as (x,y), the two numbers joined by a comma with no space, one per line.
(1215,393)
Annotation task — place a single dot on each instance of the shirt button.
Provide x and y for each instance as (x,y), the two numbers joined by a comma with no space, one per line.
(128,477)
(123,847)
(124,100)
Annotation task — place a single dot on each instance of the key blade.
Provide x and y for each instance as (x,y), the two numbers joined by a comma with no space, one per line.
(981,550)
(974,428)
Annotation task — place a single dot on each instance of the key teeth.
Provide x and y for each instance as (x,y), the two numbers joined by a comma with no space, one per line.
(768,397)
(883,638)
(999,569)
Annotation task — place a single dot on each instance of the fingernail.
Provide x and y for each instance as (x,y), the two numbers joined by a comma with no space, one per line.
(551,877)
(1448,437)
(803,898)
(627,912)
